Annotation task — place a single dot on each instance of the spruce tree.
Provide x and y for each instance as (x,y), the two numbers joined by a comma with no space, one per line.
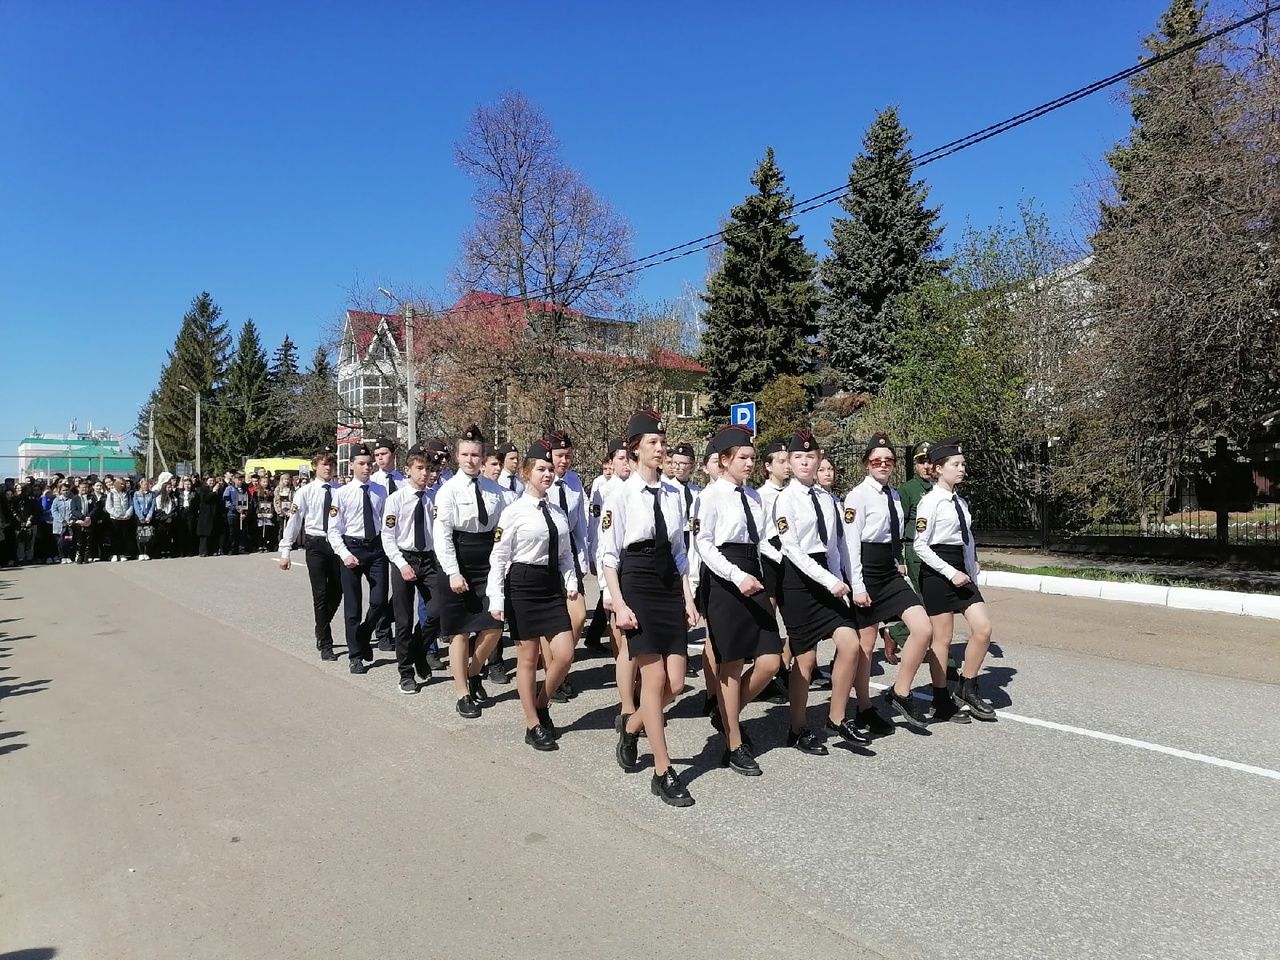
(315,419)
(242,422)
(285,383)
(882,250)
(761,301)
(284,363)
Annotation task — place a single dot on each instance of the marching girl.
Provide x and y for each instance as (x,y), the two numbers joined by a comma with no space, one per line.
(815,597)
(740,620)
(645,566)
(711,679)
(531,574)
(614,455)
(948,580)
(873,528)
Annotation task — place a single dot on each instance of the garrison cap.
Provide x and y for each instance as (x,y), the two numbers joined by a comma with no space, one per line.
(361,450)
(418,450)
(616,444)
(384,442)
(683,450)
(507,448)
(473,434)
(558,440)
(539,450)
(644,421)
(878,440)
(727,438)
(950,447)
(802,442)
(774,446)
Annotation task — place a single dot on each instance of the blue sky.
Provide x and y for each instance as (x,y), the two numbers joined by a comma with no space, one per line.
(277,154)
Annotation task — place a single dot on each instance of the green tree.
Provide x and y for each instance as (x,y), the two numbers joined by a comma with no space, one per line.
(285,387)
(761,301)
(314,416)
(882,250)
(242,422)
(783,409)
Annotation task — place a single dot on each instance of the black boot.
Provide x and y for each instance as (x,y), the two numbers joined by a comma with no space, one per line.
(670,789)
(945,708)
(628,750)
(970,697)
(538,738)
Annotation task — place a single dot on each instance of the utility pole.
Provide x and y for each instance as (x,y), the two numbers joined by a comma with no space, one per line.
(151,442)
(199,472)
(409,380)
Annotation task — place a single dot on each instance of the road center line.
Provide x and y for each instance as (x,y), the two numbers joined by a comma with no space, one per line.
(1124,741)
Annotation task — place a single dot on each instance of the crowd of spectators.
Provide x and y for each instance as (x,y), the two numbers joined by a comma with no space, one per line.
(87,519)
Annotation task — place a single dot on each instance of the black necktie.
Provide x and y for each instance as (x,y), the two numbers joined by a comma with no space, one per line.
(752,533)
(822,521)
(419,522)
(370,531)
(328,502)
(895,531)
(553,541)
(511,483)
(481,511)
(660,534)
(391,484)
(964,526)
(688,499)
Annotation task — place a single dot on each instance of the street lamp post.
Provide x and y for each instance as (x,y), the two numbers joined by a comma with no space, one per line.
(410,384)
(195,394)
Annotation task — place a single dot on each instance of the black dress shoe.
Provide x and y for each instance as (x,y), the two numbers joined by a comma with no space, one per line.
(386,645)
(558,695)
(670,789)
(356,665)
(326,653)
(741,761)
(627,751)
(408,685)
(846,730)
(423,669)
(909,709)
(478,692)
(806,741)
(544,721)
(620,722)
(467,708)
(970,697)
(875,725)
(538,738)
(568,688)
(434,662)
(497,673)
(944,708)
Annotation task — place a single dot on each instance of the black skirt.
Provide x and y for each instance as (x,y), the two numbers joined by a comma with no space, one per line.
(890,591)
(809,610)
(651,588)
(464,613)
(771,577)
(940,594)
(535,602)
(740,627)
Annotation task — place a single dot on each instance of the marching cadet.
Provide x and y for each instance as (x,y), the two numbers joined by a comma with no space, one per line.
(642,553)
(895,635)
(700,582)
(496,668)
(567,492)
(777,471)
(949,580)
(492,465)
(531,573)
(384,458)
(437,452)
(741,623)
(406,540)
(873,518)
(309,518)
(625,672)
(467,509)
(509,454)
(681,462)
(354,535)
(815,598)
(615,459)
(827,475)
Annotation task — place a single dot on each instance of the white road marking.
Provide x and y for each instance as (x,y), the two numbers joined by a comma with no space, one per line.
(1123,741)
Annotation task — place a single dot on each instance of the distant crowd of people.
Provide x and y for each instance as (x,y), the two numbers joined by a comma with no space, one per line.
(88,519)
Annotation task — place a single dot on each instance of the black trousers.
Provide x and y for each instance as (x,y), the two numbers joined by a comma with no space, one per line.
(372,566)
(409,648)
(324,569)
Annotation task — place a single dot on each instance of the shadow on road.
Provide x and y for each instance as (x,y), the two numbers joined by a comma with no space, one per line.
(31,953)
(13,686)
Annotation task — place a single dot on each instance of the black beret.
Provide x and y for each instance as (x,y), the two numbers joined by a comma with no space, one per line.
(507,448)
(729,437)
(683,450)
(361,450)
(951,447)
(473,434)
(644,421)
(539,450)
(322,452)
(558,440)
(802,442)
(417,450)
(776,446)
(615,445)
(384,442)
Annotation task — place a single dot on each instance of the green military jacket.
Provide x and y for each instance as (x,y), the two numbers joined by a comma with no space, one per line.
(911,493)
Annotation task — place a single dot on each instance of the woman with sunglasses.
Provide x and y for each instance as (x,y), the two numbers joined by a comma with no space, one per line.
(873,534)
(949,581)
(646,568)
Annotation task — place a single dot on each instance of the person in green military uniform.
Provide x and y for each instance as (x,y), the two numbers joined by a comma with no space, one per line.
(895,635)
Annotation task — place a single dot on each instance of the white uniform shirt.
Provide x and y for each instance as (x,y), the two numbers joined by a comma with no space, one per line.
(768,494)
(796,520)
(567,493)
(381,476)
(722,519)
(348,521)
(399,530)
(600,488)
(866,517)
(455,509)
(628,518)
(524,538)
(306,514)
(509,481)
(937,523)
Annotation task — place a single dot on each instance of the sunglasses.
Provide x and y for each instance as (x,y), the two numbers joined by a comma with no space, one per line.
(882,462)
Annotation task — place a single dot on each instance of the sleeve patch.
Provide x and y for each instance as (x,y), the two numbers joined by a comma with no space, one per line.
(595,509)
(850,514)
(782,525)
(333,511)
(391,520)
(434,512)
(294,508)
(606,521)
(921,525)
(497,534)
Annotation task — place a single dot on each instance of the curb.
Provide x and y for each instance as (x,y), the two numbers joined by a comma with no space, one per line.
(1177,598)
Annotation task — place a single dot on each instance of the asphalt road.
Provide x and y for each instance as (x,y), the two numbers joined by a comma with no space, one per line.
(181,776)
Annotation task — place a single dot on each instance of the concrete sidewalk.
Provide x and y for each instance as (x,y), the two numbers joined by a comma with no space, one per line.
(1228,577)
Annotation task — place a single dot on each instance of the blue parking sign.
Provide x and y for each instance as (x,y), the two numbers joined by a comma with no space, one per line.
(744,415)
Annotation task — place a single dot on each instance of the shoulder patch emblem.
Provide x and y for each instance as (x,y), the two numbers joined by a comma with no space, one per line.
(782,525)
(695,525)
(391,520)
(850,514)
(595,509)
(921,525)
(294,508)
(333,511)
(497,534)
(434,511)
(606,521)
